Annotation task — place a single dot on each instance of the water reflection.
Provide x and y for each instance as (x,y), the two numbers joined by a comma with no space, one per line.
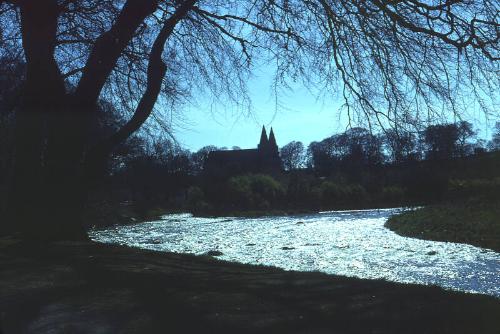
(350,243)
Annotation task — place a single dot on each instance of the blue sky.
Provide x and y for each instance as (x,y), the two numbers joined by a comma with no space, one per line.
(297,114)
(305,120)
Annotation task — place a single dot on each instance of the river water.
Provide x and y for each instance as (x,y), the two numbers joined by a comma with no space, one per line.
(349,243)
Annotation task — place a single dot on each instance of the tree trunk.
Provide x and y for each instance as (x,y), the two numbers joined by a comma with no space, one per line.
(45,192)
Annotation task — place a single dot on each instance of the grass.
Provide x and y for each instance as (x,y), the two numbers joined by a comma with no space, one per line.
(475,222)
(92,288)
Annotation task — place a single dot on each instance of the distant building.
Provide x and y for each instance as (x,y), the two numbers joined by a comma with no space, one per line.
(264,159)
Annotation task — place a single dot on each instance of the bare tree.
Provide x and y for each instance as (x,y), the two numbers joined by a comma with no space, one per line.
(392,61)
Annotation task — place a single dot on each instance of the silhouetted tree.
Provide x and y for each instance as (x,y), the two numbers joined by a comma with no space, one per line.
(441,141)
(384,54)
(292,155)
(319,158)
(200,157)
(466,133)
(364,147)
(350,151)
(494,144)
(155,172)
(445,141)
(480,146)
(401,145)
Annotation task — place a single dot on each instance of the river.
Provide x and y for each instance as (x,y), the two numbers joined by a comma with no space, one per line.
(348,243)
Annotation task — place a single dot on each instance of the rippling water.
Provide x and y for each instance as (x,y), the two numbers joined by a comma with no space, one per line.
(349,243)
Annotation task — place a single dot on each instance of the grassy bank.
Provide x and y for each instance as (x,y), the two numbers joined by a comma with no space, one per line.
(92,288)
(476,222)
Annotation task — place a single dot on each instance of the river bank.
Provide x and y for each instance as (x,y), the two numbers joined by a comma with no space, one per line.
(288,212)
(475,222)
(101,215)
(94,288)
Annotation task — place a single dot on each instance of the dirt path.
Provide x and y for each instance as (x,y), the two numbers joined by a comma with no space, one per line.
(91,288)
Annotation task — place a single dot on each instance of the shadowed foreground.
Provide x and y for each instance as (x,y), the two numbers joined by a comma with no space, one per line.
(92,288)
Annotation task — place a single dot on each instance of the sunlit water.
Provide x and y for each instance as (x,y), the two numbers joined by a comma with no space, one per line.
(349,243)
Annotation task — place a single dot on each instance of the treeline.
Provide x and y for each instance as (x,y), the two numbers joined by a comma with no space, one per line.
(357,169)
(348,152)
(359,147)
(354,169)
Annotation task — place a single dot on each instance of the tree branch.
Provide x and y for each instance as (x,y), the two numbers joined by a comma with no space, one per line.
(108,48)
(155,75)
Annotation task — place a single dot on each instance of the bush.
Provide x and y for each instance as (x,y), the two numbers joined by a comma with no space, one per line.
(196,201)
(356,193)
(334,195)
(240,192)
(255,192)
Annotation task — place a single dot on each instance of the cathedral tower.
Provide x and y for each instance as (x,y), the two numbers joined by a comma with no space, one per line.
(272,141)
(264,142)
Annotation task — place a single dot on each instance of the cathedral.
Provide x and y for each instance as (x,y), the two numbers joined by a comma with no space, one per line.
(264,159)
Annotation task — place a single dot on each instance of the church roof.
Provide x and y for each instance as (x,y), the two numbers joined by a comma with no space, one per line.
(264,158)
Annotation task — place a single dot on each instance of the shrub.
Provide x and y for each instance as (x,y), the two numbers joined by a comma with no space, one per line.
(255,191)
(196,200)
(334,195)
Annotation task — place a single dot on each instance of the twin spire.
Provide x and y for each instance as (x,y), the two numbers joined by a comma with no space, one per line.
(266,142)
